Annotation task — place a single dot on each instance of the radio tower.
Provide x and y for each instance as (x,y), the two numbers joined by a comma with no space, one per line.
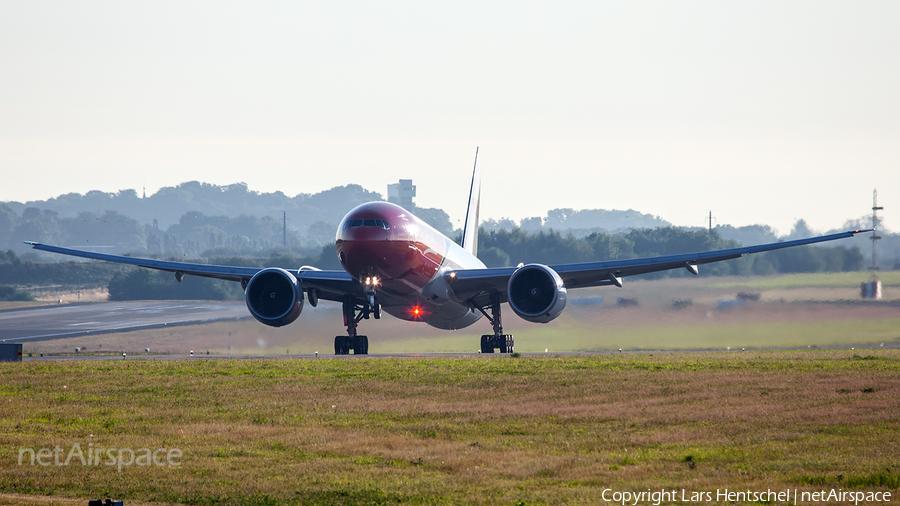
(875,237)
(872,289)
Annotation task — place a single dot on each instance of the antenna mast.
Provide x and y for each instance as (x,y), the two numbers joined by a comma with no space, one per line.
(872,289)
(875,237)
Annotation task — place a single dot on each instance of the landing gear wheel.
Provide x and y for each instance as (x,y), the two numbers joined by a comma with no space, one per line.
(361,345)
(505,343)
(487,344)
(497,340)
(353,313)
(341,345)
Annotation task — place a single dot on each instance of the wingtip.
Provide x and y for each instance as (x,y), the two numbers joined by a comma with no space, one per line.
(32,243)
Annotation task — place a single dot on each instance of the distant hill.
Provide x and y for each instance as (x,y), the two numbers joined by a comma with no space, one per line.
(166,207)
(190,218)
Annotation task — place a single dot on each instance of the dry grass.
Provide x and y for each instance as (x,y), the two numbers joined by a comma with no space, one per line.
(15,304)
(484,430)
(87,295)
(53,297)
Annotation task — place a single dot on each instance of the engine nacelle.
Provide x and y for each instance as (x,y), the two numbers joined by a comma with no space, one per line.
(536,293)
(274,297)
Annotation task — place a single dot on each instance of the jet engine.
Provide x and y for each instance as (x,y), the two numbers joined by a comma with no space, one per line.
(536,293)
(274,297)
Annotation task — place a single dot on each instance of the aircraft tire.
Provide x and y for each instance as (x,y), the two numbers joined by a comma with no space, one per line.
(487,344)
(361,345)
(342,345)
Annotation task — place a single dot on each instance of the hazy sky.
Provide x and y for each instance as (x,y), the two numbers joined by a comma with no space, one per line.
(763,112)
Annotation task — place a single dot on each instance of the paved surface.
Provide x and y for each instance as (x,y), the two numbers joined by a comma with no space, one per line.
(54,322)
(495,356)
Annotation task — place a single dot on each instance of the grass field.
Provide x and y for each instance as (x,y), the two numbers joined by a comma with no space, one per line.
(475,430)
(534,429)
(829,279)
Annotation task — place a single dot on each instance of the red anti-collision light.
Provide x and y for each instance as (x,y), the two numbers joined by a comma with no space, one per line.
(417,312)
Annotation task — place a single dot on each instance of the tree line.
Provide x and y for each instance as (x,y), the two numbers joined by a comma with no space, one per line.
(126,282)
(498,248)
(503,248)
(196,219)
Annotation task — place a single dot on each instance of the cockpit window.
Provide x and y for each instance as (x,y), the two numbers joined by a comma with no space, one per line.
(367,223)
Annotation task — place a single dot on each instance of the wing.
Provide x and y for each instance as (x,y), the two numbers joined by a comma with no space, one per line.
(331,285)
(477,285)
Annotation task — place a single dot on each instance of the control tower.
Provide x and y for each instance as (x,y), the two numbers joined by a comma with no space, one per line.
(402,193)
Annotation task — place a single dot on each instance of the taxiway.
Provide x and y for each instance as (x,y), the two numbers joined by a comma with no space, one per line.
(55,322)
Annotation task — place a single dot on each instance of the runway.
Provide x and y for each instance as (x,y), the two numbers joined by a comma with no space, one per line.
(55,322)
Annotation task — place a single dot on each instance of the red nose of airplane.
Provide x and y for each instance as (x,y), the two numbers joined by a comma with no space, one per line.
(384,240)
(370,238)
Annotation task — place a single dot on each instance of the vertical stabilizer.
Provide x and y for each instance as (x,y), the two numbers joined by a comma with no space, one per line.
(470,228)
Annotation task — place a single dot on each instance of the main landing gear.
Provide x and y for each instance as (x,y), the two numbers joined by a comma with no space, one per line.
(353,313)
(498,340)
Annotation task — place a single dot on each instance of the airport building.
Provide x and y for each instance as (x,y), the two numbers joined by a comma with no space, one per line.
(402,193)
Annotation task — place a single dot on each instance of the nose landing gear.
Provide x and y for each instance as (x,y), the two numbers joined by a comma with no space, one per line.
(353,313)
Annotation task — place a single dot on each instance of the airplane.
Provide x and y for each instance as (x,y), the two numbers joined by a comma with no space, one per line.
(395,262)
